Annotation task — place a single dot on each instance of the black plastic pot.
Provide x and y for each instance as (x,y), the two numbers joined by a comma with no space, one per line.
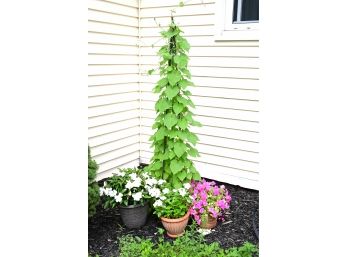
(134,216)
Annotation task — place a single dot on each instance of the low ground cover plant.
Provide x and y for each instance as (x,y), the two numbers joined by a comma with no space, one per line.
(191,244)
(208,199)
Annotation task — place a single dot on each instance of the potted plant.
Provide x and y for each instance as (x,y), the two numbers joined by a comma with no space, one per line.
(209,202)
(129,189)
(172,207)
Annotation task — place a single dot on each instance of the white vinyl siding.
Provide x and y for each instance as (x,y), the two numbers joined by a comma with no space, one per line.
(113,88)
(226,93)
(121,104)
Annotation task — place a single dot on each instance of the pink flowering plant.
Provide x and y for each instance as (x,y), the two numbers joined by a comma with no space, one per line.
(208,199)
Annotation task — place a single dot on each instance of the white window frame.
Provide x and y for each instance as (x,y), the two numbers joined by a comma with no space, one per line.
(226,30)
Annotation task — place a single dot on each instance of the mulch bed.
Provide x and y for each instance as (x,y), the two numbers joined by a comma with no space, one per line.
(106,227)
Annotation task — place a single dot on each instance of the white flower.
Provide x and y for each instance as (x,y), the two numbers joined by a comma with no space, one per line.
(174,190)
(112,193)
(162,197)
(137,196)
(129,185)
(146,175)
(161,181)
(151,181)
(165,191)
(101,191)
(118,198)
(137,182)
(157,203)
(155,192)
(187,186)
(182,191)
(133,176)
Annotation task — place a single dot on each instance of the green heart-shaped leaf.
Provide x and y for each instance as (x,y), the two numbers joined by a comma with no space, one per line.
(174,77)
(171,92)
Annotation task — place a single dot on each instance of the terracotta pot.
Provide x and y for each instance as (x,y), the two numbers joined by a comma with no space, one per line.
(134,216)
(209,224)
(175,227)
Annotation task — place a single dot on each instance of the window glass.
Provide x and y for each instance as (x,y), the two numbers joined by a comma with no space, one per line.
(245,10)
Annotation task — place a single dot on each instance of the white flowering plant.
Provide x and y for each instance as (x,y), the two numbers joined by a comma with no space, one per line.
(172,203)
(129,186)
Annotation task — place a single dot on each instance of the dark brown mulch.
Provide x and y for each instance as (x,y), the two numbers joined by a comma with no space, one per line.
(105,228)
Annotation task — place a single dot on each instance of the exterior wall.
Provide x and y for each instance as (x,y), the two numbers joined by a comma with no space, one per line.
(113,88)
(226,93)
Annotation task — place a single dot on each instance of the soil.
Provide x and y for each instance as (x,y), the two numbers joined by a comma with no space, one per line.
(106,227)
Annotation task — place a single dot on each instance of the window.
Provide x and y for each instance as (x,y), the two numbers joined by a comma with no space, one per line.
(237,19)
(245,11)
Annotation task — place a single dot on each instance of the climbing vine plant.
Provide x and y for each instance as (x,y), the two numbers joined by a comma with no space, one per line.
(173,142)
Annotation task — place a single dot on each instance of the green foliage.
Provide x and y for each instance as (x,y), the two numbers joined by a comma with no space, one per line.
(191,244)
(93,188)
(172,203)
(173,142)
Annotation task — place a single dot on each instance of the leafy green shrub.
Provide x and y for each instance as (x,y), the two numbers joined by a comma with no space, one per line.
(93,188)
(191,244)
(173,142)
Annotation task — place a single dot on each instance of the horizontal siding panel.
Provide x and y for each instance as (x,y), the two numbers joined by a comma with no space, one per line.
(112,17)
(216,122)
(215,131)
(129,3)
(112,69)
(112,49)
(213,82)
(113,7)
(115,144)
(113,164)
(213,112)
(112,89)
(197,41)
(114,117)
(170,3)
(228,175)
(214,159)
(223,151)
(215,62)
(111,79)
(188,30)
(220,72)
(106,27)
(112,99)
(103,158)
(180,20)
(111,59)
(223,142)
(94,36)
(112,108)
(206,169)
(214,92)
(113,127)
(217,102)
(106,138)
(211,51)
(191,9)
(108,173)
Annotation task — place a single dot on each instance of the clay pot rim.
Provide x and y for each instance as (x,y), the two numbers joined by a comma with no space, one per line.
(134,205)
(178,219)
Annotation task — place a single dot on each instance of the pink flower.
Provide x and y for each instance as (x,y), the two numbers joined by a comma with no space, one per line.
(213,212)
(203,195)
(221,204)
(216,191)
(201,210)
